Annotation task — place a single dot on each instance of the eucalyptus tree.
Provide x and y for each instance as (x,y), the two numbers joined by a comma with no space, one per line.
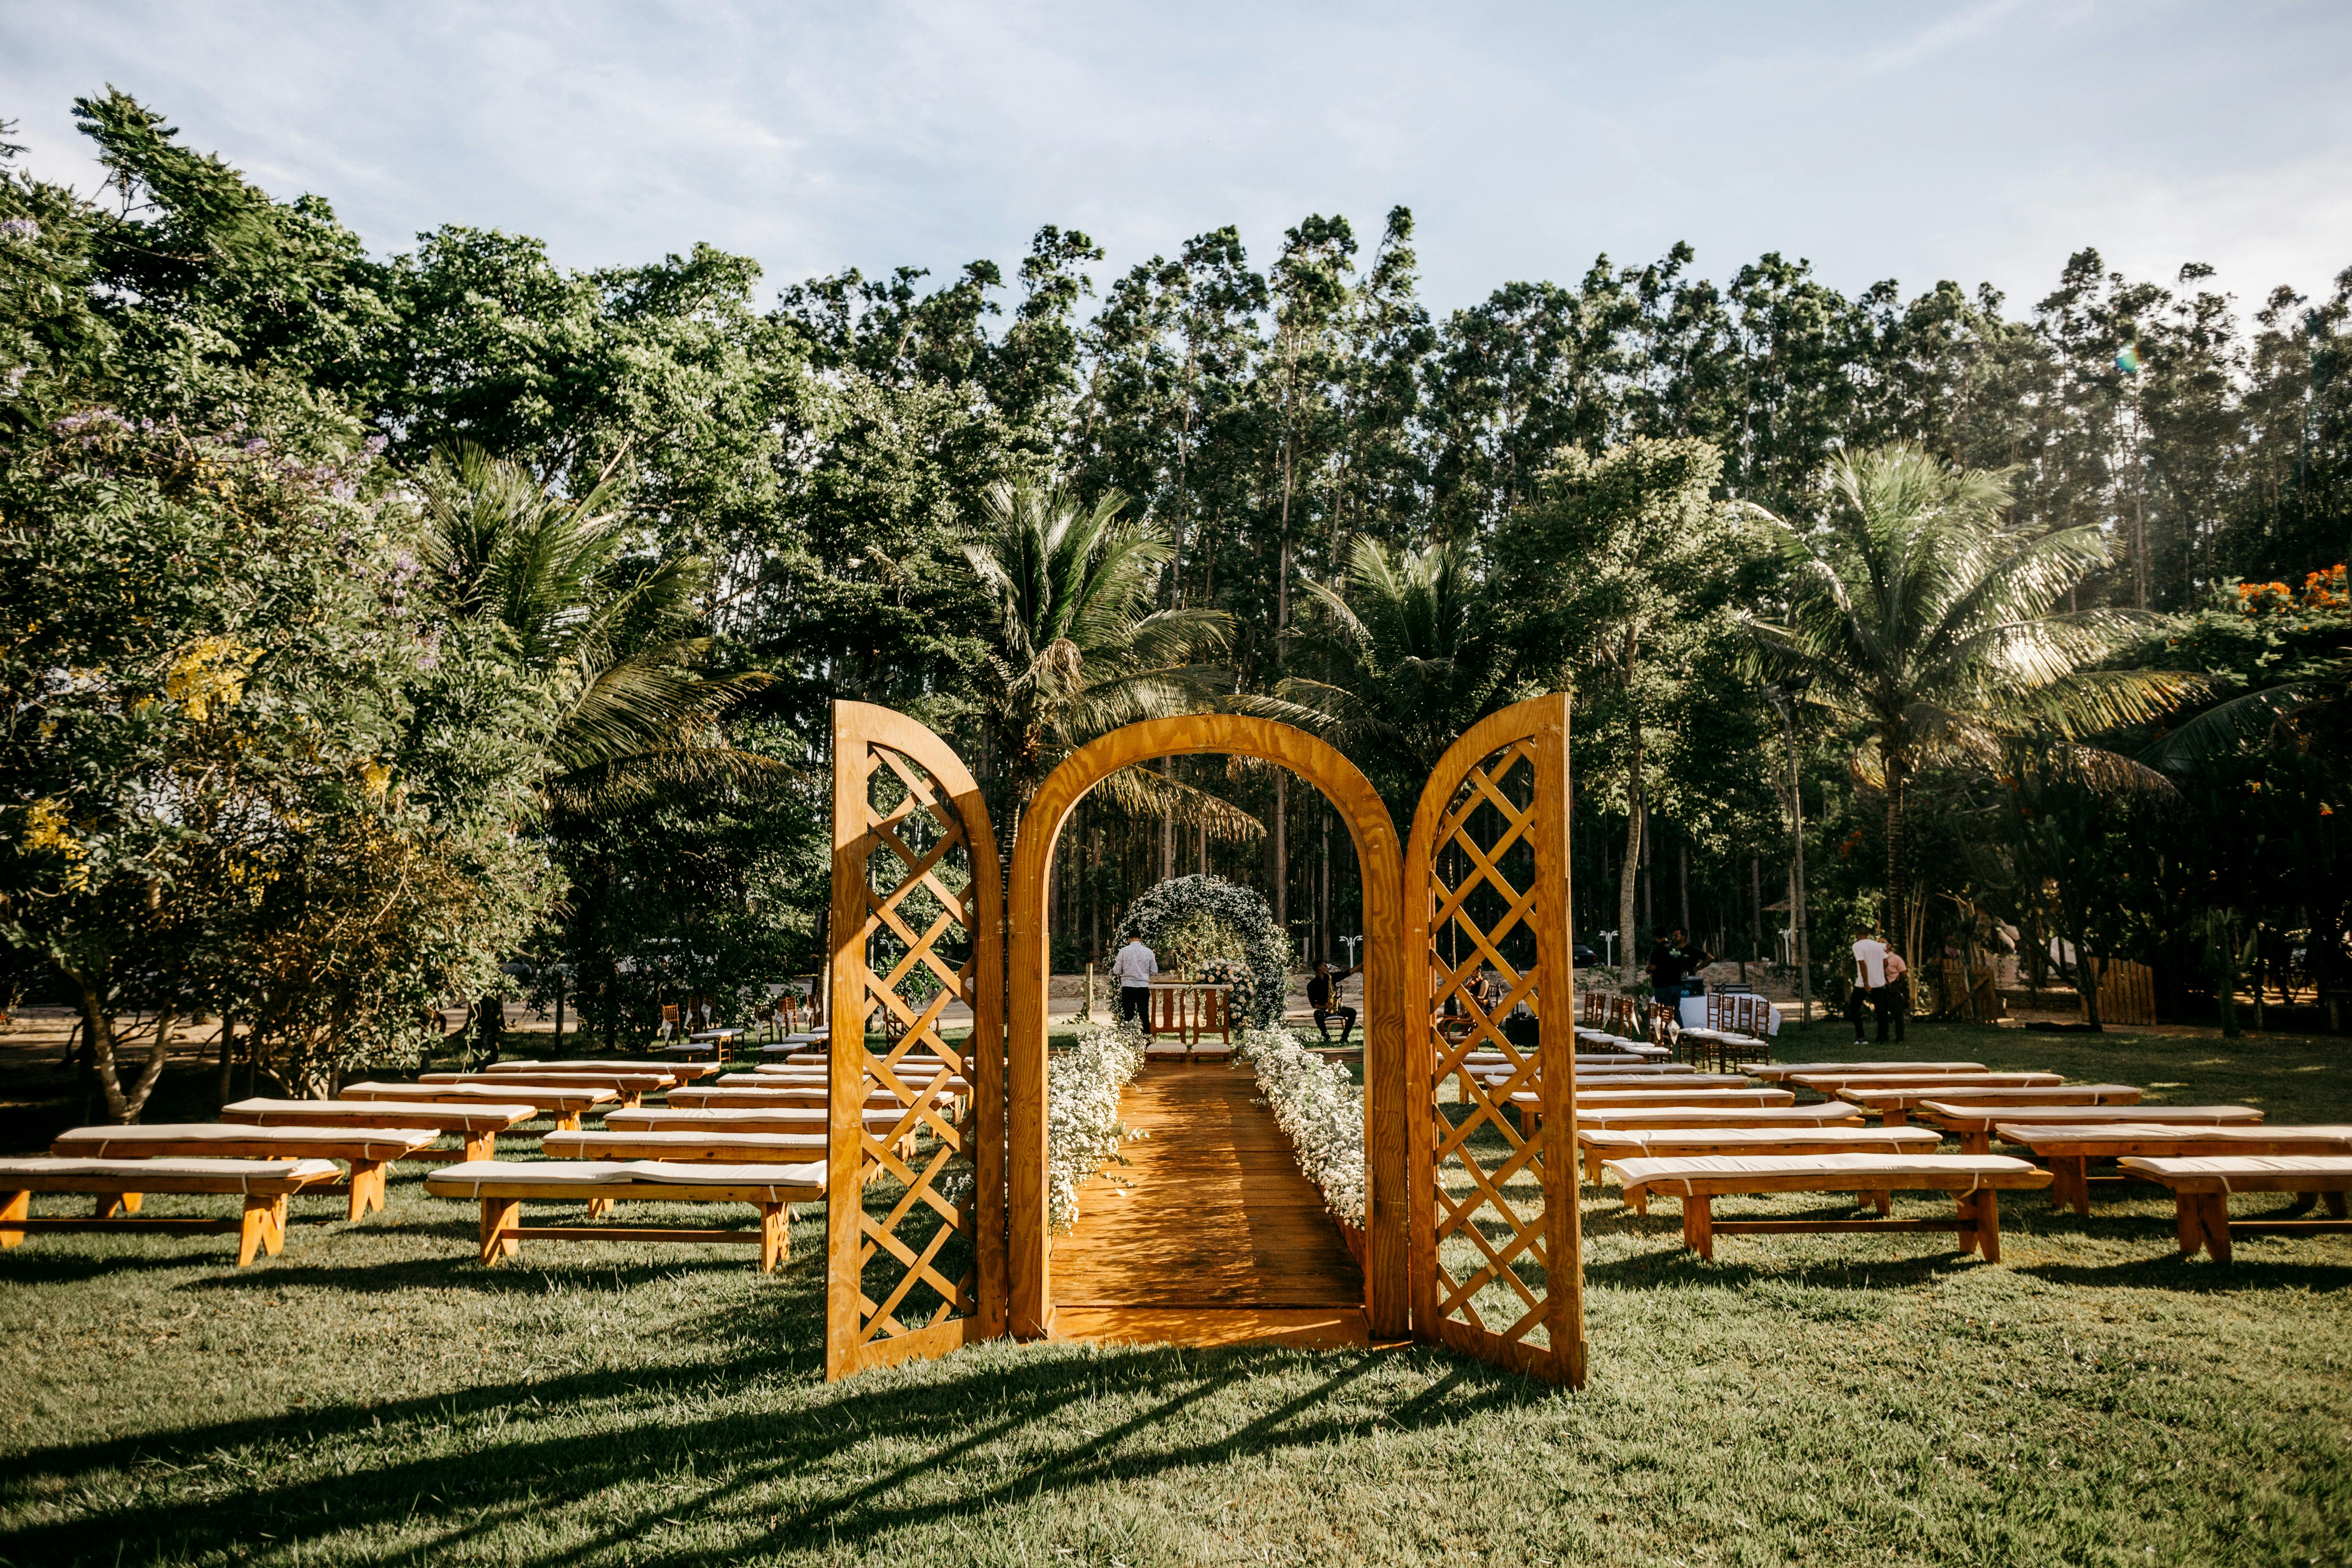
(1620,573)
(1931,634)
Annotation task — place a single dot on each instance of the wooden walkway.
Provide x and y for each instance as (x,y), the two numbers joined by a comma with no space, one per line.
(1208,1233)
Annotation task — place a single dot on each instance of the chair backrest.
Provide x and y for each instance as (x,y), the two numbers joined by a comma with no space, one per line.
(669,1012)
(1751,1015)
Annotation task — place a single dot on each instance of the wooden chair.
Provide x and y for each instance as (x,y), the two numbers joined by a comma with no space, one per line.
(669,1022)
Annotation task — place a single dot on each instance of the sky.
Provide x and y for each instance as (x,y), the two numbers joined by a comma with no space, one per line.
(1974,140)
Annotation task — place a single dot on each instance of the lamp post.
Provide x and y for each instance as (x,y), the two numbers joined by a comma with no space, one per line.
(1781,696)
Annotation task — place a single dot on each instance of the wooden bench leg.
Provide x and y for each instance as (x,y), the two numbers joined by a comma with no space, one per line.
(15,1208)
(500,1215)
(1989,1224)
(1975,1142)
(1698,1225)
(1592,1167)
(2071,1185)
(106,1206)
(775,1235)
(367,1188)
(2338,1204)
(599,1206)
(2187,1216)
(1967,1207)
(568,1123)
(261,1228)
(2213,1215)
(481,1145)
(1883,1202)
(1895,1116)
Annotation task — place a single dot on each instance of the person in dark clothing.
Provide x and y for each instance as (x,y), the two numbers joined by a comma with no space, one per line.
(1670,961)
(1320,993)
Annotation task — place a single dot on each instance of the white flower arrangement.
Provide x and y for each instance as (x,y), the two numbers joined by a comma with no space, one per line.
(1083,1130)
(1320,1107)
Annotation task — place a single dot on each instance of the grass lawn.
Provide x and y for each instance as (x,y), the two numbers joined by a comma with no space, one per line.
(374,1395)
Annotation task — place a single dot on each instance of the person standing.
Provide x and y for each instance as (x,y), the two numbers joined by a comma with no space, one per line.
(1133,967)
(1869,980)
(1669,962)
(1894,998)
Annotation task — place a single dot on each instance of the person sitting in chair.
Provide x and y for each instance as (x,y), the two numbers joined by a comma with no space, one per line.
(1319,996)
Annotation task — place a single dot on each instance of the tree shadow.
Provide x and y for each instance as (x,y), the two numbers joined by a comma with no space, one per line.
(1026,1399)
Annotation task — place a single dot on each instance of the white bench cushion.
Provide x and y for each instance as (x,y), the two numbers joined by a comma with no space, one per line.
(623,1174)
(110,1170)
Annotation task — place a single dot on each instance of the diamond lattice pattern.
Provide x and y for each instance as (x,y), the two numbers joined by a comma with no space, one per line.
(916,1255)
(1483,999)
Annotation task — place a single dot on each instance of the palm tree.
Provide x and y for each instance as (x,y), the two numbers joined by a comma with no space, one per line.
(1932,633)
(1408,662)
(602,627)
(1078,651)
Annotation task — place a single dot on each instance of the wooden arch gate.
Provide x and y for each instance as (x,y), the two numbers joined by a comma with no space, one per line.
(1471,1233)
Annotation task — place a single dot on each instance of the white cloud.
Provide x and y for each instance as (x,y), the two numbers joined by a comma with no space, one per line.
(1985,140)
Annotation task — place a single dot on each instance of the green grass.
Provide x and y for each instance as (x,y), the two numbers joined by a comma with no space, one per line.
(374,1395)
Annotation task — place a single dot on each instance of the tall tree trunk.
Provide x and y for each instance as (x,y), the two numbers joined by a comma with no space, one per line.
(1682,876)
(1282,851)
(1898,887)
(225,1086)
(1625,884)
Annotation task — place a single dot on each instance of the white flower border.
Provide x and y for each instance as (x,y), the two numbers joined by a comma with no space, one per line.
(1083,1131)
(1321,1109)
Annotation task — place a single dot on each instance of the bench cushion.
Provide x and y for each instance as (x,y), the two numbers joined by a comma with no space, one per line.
(754,1145)
(718,1119)
(1830,1113)
(230,1173)
(373,1143)
(1666,1140)
(2121,1136)
(1827,1172)
(458,1093)
(475,1175)
(2256,1173)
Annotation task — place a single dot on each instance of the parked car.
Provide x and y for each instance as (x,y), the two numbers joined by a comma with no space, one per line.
(1581,956)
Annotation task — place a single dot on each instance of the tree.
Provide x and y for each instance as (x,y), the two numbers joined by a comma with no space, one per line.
(1077,651)
(1636,562)
(1402,663)
(1930,633)
(602,627)
(251,764)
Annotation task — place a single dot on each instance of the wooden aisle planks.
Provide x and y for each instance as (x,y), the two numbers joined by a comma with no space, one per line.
(1209,1235)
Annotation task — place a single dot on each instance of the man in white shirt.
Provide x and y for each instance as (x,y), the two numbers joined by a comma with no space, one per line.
(1869,982)
(1133,968)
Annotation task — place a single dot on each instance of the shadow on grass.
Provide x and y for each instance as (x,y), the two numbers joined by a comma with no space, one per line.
(2198,1276)
(1020,1406)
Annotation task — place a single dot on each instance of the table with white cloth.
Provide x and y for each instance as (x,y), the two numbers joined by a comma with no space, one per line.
(1693,1014)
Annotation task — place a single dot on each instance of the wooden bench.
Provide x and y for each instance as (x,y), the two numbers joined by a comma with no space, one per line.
(1598,1144)
(2070,1149)
(754,1096)
(264,1184)
(1974,1124)
(683,1072)
(502,1187)
(1774,1072)
(1529,1102)
(630,1087)
(708,1146)
(478,1125)
(1831,1083)
(1975,1180)
(2201,1188)
(366,1152)
(743,1119)
(565,1105)
(1898,1104)
(1663,1118)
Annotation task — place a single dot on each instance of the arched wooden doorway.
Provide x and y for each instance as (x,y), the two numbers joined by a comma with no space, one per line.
(1388,1296)
(1471,1233)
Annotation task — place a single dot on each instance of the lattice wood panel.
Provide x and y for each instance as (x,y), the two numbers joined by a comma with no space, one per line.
(916,1215)
(1496,1243)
